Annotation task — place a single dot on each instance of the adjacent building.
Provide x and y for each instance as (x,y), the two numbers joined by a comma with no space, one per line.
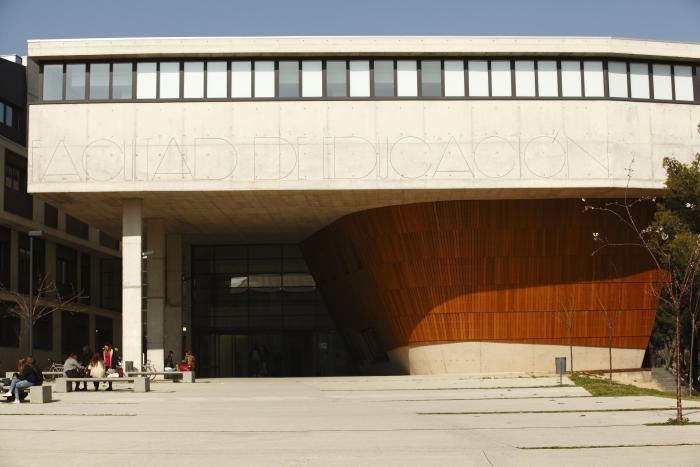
(329,205)
(79,259)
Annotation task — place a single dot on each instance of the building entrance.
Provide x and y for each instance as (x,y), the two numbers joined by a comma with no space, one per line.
(256,311)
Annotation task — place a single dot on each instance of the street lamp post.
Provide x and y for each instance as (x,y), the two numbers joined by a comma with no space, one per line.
(32,234)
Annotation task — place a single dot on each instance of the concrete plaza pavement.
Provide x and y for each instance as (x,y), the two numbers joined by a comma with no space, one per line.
(347,421)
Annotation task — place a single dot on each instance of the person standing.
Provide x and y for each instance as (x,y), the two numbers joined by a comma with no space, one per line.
(110,358)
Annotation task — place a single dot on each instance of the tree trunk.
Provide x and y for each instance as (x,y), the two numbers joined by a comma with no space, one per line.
(679,406)
(610,350)
(571,355)
(692,355)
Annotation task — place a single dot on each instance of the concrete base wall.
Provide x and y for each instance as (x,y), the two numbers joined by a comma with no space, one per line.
(497,357)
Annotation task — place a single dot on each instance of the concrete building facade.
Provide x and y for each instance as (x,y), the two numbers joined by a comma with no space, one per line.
(291,193)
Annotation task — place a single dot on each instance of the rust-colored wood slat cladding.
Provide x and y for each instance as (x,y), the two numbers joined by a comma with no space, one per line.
(483,271)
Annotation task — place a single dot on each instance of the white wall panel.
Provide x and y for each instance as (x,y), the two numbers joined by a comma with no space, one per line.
(570,78)
(500,78)
(617,79)
(169,80)
(241,79)
(547,78)
(311,78)
(639,80)
(146,80)
(478,78)
(524,78)
(454,78)
(406,78)
(194,80)
(265,79)
(683,81)
(217,79)
(662,82)
(359,78)
(593,81)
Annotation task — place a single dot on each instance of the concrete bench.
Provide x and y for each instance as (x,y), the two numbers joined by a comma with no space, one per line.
(187,376)
(37,394)
(141,384)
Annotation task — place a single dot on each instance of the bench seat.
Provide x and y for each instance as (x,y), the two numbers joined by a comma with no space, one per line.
(141,384)
(187,376)
(38,394)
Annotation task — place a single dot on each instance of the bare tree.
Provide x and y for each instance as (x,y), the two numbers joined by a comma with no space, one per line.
(46,300)
(610,316)
(566,315)
(672,283)
(694,308)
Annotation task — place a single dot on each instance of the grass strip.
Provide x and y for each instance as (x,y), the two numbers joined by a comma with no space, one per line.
(515,412)
(607,446)
(603,387)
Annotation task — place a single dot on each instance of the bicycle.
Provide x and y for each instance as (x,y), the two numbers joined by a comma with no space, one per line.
(53,368)
(149,368)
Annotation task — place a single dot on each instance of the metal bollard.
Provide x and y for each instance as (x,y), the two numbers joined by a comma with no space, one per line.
(560,367)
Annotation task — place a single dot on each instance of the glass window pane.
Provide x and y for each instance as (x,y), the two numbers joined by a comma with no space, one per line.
(383,78)
(662,82)
(169,80)
(99,81)
(639,80)
(241,79)
(524,78)
(478,78)
(146,80)
(336,79)
(407,78)
(75,81)
(547,80)
(53,82)
(217,81)
(194,80)
(2,113)
(454,78)
(617,79)
(570,79)
(683,80)
(289,79)
(359,78)
(311,78)
(500,78)
(121,80)
(8,115)
(264,79)
(431,78)
(593,82)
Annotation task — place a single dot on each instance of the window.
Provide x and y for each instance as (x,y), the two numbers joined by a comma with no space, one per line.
(639,80)
(683,82)
(194,80)
(66,271)
(478,78)
(76,227)
(53,82)
(265,79)
(50,216)
(75,81)
(5,268)
(85,278)
(336,78)
(547,80)
(454,78)
(359,78)
(111,283)
(431,78)
(289,79)
(99,81)
(661,75)
(146,80)
(524,78)
(17,200)
(2,113)
(15,178)
(570,79)
(241,79)
(593,81)
(383,78)
(407,78)
(38,255)
(500,78)
(9,117)
(121,80)
(617,79)
(169,80)
(217,80)
(312,78)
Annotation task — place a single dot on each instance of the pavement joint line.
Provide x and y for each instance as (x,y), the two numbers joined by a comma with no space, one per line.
(475,399)
(608,446)
(72,414)
(516,412)
(451,389)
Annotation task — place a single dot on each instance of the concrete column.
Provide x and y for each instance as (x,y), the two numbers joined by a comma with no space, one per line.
(131,281)
(155,286)
(173,301)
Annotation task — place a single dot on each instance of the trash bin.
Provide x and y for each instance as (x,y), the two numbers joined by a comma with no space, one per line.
(560,367)
(128,366)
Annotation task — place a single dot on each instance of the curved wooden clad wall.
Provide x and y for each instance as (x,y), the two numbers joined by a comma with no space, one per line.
(481,271)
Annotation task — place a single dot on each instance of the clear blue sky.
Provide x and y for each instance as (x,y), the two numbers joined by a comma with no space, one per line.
(42,19)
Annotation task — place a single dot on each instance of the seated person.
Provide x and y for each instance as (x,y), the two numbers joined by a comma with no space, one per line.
(28,375)
(169,364)
(73,369)
(97,369)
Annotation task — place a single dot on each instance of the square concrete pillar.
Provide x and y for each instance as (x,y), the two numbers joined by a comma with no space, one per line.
(173,295)
(155,287)
(132,231)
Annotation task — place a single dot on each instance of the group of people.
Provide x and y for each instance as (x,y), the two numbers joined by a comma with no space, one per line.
(186,364)
(91,365)
(27,375)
